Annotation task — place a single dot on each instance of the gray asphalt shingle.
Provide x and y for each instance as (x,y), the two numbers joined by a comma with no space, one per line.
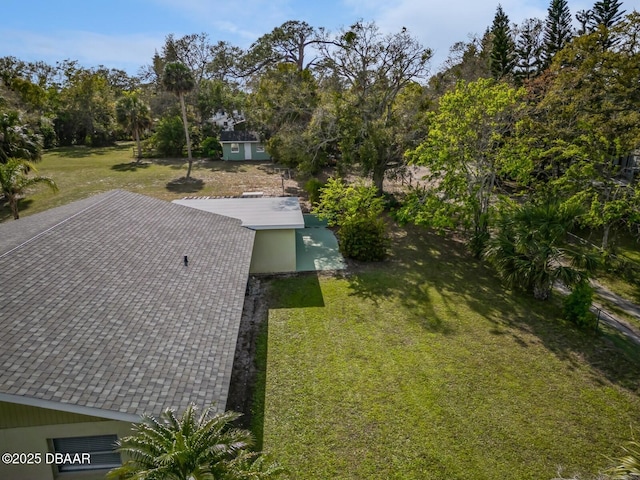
(98,310)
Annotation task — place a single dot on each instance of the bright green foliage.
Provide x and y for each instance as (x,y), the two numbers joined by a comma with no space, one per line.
(169,139)
(502,59)
(191,447)
(465,151)
(356,210)
(529,249)
(579,138)
(576,306)
(134,115)
(15,180)
(178,79)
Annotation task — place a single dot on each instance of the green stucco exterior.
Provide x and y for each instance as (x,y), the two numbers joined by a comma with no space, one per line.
(246,151)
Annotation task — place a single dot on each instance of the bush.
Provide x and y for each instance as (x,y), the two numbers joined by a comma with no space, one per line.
(169,139)
(313,187)
(356,211)
(577,304)
(211,148)
(363,239)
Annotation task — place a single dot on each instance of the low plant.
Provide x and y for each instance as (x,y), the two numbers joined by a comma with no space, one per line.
(576,306)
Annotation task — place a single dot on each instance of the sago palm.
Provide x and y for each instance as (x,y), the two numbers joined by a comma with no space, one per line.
(529,248)
(198,447)
(15,180)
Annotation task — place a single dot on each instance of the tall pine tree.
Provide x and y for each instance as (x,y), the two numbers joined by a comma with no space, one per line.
(529,48)
(502,59)
(606,13)
(557,29)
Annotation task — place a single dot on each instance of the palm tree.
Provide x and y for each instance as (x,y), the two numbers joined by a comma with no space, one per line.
(134,116)
(191,448)
(15,179)
(529,248)
(16,139)
(177,78)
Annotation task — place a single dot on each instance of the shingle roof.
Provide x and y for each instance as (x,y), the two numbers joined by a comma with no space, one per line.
(98,310)
(239,136)
(265,213)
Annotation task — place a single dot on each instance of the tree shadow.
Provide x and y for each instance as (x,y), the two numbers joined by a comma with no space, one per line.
(84,151)
(173,163)
(185,185)
(423,265)
(129,167)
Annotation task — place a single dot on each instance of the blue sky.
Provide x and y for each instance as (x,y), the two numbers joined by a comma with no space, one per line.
(125,33)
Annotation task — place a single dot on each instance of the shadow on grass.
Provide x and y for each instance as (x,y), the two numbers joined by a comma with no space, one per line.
(129,167)
(5,211)
(260,386)
(173,163)
(423,266)
(303,293)
(185,185)
(83,151)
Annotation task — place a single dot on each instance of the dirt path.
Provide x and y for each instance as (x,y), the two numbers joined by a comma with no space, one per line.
(611,319)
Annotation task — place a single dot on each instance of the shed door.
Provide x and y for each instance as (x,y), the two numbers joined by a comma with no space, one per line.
(247,151)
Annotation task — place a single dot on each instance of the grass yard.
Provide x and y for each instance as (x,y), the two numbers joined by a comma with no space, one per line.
(423,368)
(82,171)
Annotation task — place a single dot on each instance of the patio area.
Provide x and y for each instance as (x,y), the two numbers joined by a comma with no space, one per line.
(317,247)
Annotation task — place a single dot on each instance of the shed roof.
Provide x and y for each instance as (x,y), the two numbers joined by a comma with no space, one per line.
(100,316)
(238,136)
(265,213)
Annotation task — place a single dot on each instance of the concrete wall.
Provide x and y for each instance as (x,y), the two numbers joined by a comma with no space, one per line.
(274,251)
(35,439)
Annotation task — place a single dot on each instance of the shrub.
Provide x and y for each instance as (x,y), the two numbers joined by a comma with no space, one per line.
(211,148)
(356,211)
(169,139)
(313,187)
(363,239)
(576,306)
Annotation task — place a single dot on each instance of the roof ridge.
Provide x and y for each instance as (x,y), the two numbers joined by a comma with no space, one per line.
(35,237)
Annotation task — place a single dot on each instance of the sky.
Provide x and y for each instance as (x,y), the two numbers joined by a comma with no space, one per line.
(124,34)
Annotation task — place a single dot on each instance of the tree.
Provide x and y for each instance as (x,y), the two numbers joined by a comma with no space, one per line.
(370,71)
(288,43)
(17,140)
(15,180)
(134,116)
(191,447)
(177,79)
(529,49)
(529,250)
(502,59)
(557,29)
(606,13)
(465,151)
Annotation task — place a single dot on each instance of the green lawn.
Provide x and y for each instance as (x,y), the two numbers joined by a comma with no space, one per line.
(423,368)
(81,171)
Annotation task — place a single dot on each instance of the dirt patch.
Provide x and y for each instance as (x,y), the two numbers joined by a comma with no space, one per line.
(245,369)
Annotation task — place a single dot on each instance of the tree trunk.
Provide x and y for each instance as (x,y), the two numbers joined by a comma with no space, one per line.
(378,178)
(13,205)
(542,292)
(137,135)
(186,133)
(605,236)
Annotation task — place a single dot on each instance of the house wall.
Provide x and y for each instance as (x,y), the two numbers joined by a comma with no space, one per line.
(243,154)
(274,251)
(35,439)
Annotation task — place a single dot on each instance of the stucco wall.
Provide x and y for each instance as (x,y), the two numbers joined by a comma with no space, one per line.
(274,251)
(35,440)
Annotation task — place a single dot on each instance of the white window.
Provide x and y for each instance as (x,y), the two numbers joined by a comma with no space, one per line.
(87,453)
(235,148)
(259,148)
